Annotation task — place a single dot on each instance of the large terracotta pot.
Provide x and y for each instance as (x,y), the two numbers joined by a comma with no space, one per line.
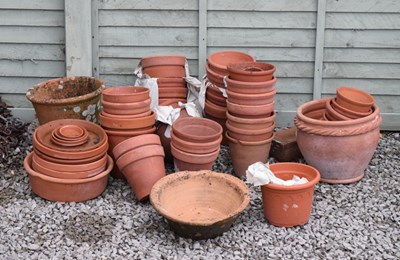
(218,61)
(251,71)
(125,94)
(69,97)
(288,206)
(193,162)
(340,150)
(245,153)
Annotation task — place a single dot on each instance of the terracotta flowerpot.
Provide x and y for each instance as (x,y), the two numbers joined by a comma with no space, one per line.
(171,82)
(348,113)
(142,167)
(215,96)
(250,135)
(201,204)
(256,110)
(214,77)
(250,87)
(170,101)
(354,99)
(251,99)
(195,147)
(164,66)
(69,97)
(134,143)
(125,94)
(69,161)
(67,190)
(130,116)
(197,129)
(218,61)
(116,122)
(340,150)
(246,153)
(172,92)
(251,123)
(215,110)
(251,71)
(288,206)
(332,115)
(193,162)
(221,122)
(134,108)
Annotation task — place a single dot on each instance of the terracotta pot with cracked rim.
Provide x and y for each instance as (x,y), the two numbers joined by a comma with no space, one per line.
(184,161)
(251,99)
(219,61)
(125,94)
(196,129)
(354,99)
(250,87)
(251,71)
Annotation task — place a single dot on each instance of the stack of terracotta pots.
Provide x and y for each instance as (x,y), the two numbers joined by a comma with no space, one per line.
(195,143)
(170,72)
(69,161)
(216,68)
(141,160)
(126,113)
(251,116)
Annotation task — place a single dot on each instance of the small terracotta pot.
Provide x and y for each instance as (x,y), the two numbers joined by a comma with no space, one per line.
(250,87)
(246,153)
(251,71)
(332,115)
(218,61)
(125,94)
(257,110)
(193,162)
(116,122)
(134,143)
(197,129)
(69,161)
(251,123)
(126,108)
(288,206)
(215,96)
(214,77)
(346,112)
(171,82)
(340,150)
(200,204)
(164,66)
(196,148)
(172,92)
(215,110)
(67,190)
(68,97)
(354,99)
(251,99)
(142,168)
(250,135)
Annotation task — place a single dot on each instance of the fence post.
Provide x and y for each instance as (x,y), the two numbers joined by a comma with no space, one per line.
(319,49)
(202,37)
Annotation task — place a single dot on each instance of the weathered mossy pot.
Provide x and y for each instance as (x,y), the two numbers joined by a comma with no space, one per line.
(200,204)
(68,97)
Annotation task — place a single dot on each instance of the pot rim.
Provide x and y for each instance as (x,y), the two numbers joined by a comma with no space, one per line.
(237,68)
(202,146)
(125,123)
(211,58)
(140,153)
(193,121)
(135,142)
(353,113)
(248,143)
(113,91)
(332,113)
(242,120)
(201,158)
(125,105)
(368,103)
(163,60)
(125,132)
(249,132)
(254,84)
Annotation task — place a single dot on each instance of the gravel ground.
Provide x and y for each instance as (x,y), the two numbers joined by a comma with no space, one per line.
(358,221)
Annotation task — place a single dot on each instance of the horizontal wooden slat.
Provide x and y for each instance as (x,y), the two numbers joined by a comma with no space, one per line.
(25,114)
(31,51)
(362,38)
(367,6)
(261,38)
(264,5)
(36,4)
(250,19)
(49,35)
(18,84)
(361,70)
(32,69)
(16,100)
(130,36)
(293,69)
(291,102)
(362,21)
(294,85)
(118,80)
(361,55)
(137,18)
(373,86)
(31,18)
(149,4)
(139,52)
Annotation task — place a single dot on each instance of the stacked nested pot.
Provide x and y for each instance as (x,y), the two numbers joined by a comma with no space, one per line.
(170,72)
(126,113)
(216,68)
(141,160)
(195,143)
(69,161)
(250,116)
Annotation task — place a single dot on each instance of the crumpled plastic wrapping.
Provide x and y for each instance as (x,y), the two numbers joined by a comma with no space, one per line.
(259,174)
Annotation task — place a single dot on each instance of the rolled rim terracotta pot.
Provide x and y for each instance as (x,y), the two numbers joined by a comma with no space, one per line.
(288,206)
(215,110)
(142,168)
(251,99)
(127,123)
(195,147)
(245,153)
(134,143)
(348,113)
(217,99)
(257,110)
(218,61)
(172,92)
(200,204)
(184,161)
(214,77)
(332,114)
(125,94)
(67,190)
(250,135)
(134,108)
(251,123)
(250,87)
(354,99)
(251,71)
(196,129)
(68,97)
(339,150)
